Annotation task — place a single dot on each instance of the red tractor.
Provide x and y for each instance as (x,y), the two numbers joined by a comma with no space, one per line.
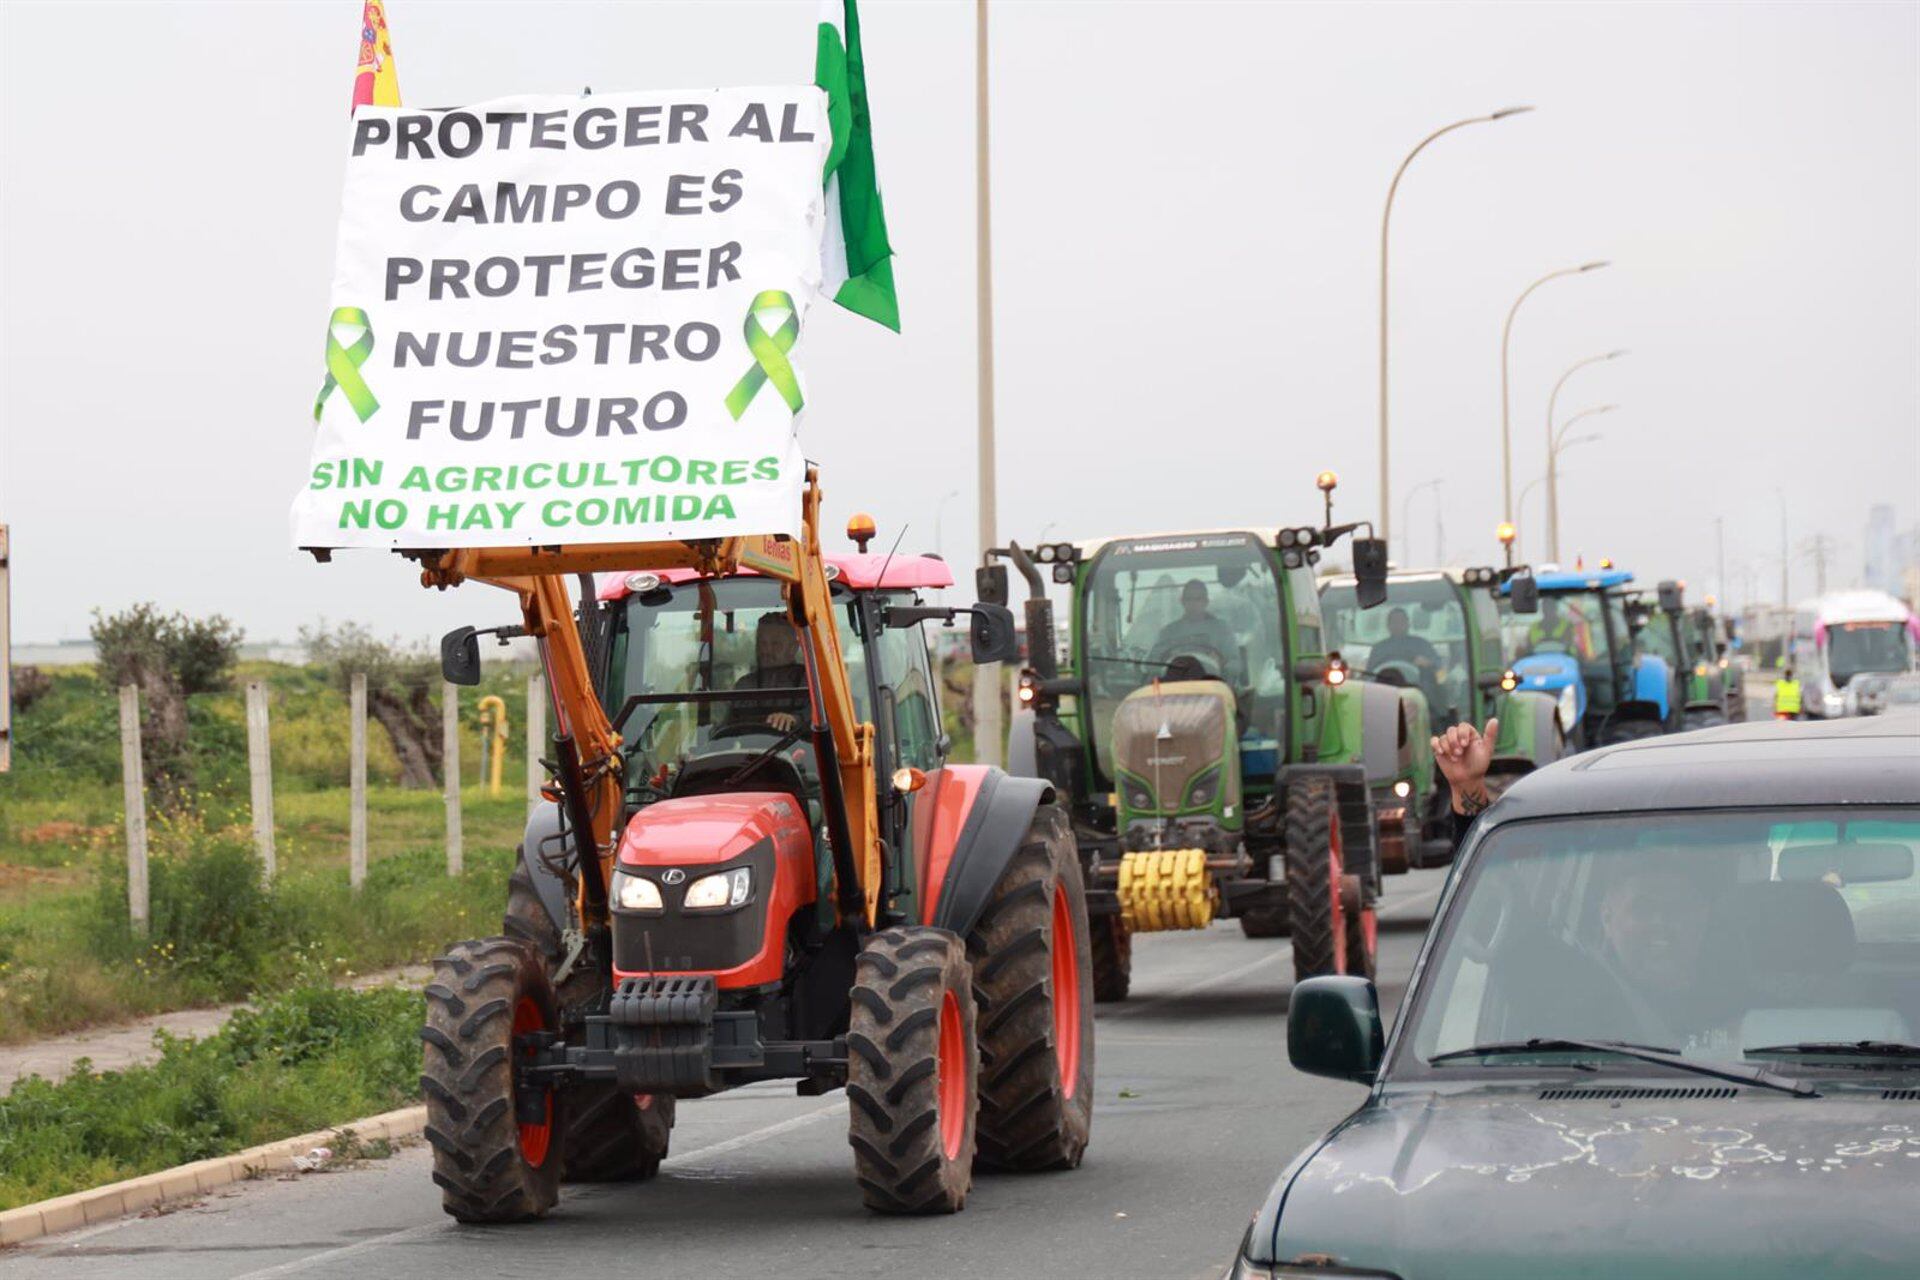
(756,864)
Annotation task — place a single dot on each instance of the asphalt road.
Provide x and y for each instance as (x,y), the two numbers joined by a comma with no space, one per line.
(1197,1112)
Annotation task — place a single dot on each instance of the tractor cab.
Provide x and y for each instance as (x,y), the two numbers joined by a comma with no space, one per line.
(1584,633)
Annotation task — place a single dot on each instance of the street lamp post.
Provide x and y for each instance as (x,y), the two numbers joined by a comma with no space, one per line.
(1784,601)
(1554,446)
(1407,502)
(1506,339)
(1386,219)
(1553,488)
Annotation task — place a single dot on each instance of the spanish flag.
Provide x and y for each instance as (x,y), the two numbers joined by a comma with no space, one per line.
(375,80)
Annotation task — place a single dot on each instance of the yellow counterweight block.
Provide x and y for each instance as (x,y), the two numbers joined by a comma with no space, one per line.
(1165,889)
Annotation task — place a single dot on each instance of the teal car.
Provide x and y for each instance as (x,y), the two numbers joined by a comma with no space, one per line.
(1666,1024)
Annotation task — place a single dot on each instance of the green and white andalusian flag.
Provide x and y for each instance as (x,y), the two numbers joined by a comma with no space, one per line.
(859,261)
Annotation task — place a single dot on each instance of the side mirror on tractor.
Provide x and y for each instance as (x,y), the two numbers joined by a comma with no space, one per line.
(1525,593)
(1670,597)
(992,633)
(460,656)
(990,584)
(1370,572)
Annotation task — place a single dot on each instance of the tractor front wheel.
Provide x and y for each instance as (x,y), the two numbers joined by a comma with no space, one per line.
(1112,958)
(606,1135)
(1033,975)
(495,1156)
(1316,890)
(913,1072)
(1265,919)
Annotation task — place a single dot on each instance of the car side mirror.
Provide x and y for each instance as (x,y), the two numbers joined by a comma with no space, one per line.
(460,656)
(991,631)
(1525,594)
(1370,572)
(1334,1030)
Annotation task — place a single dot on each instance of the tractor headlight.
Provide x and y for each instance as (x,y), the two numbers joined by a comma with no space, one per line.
(1569,709)
(719,891)
(1700,669)
(635,893)
(1509,681)
(1062,571)
(1044,553)
(1403,788)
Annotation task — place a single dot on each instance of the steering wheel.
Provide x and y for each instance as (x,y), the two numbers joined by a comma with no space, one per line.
(1184,660)
(755,728)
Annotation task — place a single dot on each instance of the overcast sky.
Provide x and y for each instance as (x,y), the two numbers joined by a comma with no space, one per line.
(1186,220)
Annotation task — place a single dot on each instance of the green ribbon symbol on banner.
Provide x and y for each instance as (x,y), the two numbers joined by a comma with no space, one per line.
(343,362)
(769,350)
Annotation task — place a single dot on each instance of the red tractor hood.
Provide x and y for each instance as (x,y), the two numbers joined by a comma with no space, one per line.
(707,830)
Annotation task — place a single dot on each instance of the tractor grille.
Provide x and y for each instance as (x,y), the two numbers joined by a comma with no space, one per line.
(1633,1094)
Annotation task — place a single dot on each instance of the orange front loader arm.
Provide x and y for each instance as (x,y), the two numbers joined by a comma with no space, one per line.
(537,575)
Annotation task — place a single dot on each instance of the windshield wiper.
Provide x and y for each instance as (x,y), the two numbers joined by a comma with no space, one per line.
(1644,1053)
(1843,1048)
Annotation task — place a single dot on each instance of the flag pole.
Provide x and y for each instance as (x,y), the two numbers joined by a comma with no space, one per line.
(986,683)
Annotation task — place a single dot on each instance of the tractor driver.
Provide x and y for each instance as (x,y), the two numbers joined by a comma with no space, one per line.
(1198,633)
(1401,645)
(776,666)
(1553,628)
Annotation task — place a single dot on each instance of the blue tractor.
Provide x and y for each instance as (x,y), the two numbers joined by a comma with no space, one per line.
(1577,638)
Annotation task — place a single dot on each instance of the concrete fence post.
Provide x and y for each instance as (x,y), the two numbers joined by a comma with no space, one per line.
(450,762)
(260,767)
(134,782)
(357,780)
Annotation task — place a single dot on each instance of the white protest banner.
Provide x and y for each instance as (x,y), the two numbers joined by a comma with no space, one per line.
(562,319)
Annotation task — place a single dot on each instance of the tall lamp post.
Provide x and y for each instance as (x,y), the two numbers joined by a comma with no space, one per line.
(1554,446)
(1550,478)
(1553,488)
(986,679)
(1386,219)
(1407,502)
(1506,340)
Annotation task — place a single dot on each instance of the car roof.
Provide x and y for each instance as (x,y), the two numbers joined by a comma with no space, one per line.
(1862,760)
(861,570)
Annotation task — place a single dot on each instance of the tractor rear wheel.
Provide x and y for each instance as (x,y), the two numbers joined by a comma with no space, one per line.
(1033,977)
(606,1135)
(913,1072)
(1314,878)
(1112,958)
(1704,718)
(494,1152)
(1618,732)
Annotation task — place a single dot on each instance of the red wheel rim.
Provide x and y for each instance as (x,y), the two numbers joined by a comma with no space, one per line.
(950,1077)
(535,1139)
(1337,908)
(1066,994)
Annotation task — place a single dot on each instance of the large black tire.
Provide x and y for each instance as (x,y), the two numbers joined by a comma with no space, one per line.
(1265,920)
(606,1135)
(913,1072)
(489,1165)
(1112,958)
(1313,874)
(1033,977)
(1703,718)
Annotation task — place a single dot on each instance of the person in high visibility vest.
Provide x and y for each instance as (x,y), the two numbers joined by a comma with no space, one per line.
(1564,634)
(1786,696)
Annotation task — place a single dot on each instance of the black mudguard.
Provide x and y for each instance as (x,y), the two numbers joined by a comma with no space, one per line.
(543,836)
(988,839)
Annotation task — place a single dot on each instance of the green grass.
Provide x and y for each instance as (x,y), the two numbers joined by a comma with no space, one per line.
(67,957)
(305,1060)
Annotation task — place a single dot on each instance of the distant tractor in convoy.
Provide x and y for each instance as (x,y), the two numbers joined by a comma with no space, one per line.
(1439,633)
(1666,627)
(1713,639)
(1217,758)
(755,863)
(1574,632)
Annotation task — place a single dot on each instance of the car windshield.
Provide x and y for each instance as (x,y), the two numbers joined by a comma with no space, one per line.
(1728,937)
(1854,647)
(726,635)
(1184,607)
(1418,638)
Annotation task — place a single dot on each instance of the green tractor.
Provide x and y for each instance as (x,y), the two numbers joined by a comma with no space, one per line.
(1217,759)
(1440,634)
(1688,640)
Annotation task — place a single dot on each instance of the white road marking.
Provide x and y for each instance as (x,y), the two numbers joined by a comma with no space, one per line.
(297,1265)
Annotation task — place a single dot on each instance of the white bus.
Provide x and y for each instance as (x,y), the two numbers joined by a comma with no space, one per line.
(1847,634)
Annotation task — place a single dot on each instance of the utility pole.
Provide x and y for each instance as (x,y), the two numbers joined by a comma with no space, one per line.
(1818,548)
(1720,551)
(986,679)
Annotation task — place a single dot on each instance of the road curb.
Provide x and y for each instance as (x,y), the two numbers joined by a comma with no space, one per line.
(189,1181)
